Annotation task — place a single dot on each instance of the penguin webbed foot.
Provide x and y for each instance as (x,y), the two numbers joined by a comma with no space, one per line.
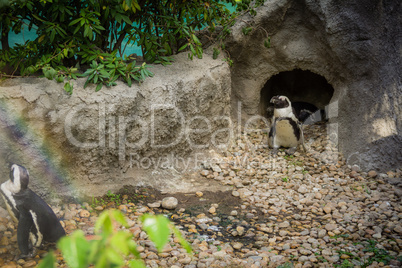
(274,151)
(25,256)
(291,151)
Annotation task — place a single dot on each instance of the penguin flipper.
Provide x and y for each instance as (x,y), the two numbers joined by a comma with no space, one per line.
(25,224)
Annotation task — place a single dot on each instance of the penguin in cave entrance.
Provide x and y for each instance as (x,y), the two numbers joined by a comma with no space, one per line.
(286,129)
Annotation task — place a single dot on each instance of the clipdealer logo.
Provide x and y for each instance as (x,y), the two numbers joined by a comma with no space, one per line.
(116,131)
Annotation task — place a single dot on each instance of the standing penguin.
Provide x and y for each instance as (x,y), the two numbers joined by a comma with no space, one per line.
(286,130)
(36,220)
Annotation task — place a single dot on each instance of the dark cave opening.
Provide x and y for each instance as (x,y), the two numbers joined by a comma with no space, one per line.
(299,86)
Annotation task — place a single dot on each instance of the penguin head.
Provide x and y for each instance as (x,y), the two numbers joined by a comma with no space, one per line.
(280,102)
(19,178)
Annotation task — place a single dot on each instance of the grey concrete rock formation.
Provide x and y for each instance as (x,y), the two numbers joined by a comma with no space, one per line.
(354,45)
(91,142)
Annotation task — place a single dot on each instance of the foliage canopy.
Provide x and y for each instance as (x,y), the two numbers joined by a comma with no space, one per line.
(72,32)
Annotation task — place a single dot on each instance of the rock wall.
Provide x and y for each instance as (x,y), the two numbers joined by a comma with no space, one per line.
(91,142)
(354,45)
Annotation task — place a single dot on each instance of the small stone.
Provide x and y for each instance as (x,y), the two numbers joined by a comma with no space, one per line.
(341,204)
(318,196)
(30,263)
(84,213)
(169,202)
(277,259)
(303,259)
(185,260)
(377,235)
(156,204)
(302,189)
(372,174)
(123,208)
(219,254)
(212,210)
(322,233)
(233,213)
(327,209)
(284,224)
(356,168)
(398,229)
(199,194)
(204,173)
(235,193)
(330,226)
(216,169)
(283,233)
(240,230)
(4,241)
(237,245)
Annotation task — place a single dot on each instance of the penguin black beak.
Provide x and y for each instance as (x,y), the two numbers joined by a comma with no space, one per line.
(274,99)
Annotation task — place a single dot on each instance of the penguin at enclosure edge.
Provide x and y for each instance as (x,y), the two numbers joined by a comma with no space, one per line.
(286,130)
(36,221)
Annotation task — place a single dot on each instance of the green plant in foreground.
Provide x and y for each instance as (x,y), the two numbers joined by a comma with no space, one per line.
(112,247)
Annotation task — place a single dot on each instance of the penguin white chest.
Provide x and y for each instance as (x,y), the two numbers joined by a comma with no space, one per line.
(285,134)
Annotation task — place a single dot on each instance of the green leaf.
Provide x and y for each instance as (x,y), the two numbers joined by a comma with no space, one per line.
(267,42)
(182,241)
(98,87)
(52,35)
(119,217)
(60,79)
(195,38)
(75,21)
(114,257)
(119,242)
(86,30)
(75,249)
(183,47)
(246,30)
(137,264)
(157,228)
(95,248)
(216,53)
(48,262)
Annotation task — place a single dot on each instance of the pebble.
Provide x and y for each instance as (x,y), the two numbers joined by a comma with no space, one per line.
(372,174)
(156,204)
(327,209)
(306,210)
(84,213)
(170,202)
(302,189)
(330,226)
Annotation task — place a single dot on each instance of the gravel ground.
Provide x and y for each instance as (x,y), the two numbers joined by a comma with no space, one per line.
(305,210)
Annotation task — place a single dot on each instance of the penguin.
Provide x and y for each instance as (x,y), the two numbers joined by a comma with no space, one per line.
(303,110)
(286,130)
(36,221)
(308,113)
